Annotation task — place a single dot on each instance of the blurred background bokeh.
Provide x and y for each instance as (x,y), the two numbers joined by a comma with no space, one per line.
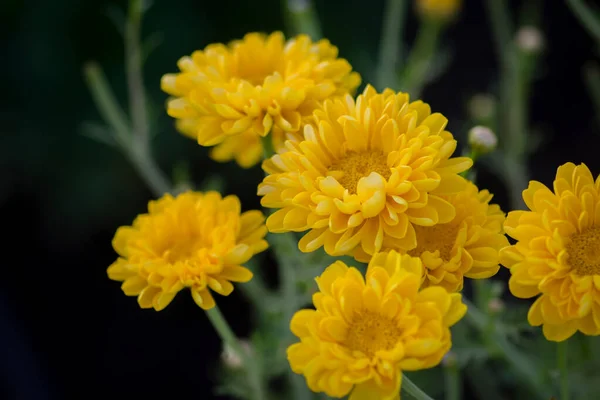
(66,331)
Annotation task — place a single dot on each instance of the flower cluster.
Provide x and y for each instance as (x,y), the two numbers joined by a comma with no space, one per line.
(367,172)
(372,177)
(233,95)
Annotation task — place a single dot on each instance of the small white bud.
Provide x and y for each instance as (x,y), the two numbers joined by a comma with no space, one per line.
(530,39)
(482,106)
(449,359)
(298,6)
(231,358)
(495,306)
(482,139)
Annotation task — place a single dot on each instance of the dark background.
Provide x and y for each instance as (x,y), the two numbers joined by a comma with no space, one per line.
(66,331)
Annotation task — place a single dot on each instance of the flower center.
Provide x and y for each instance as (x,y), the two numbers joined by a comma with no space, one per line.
(584,252)
(370,332)
(182,249)
(354,166)
(438,237)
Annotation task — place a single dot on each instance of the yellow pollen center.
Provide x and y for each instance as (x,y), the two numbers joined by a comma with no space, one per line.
(584,252)
(438,237)
(370,332)
(358,165)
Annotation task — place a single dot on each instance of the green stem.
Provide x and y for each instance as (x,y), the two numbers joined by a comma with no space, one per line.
(149,171)
(268,150)
(285,246)
(139,151)
(133,63)
(390,44)
(452,381)
(420,57)
(562,367)
(409,387)
(591,73)
(514,357)
(228,337)
(114,117)
(501,26)
(106,102)
(586,16)
(302,17)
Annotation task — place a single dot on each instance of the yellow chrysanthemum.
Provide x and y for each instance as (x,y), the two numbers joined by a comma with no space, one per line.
(365,332)
(557,254)
(364,176)
(232,95)
(468,246)
(438,9)
(195,240)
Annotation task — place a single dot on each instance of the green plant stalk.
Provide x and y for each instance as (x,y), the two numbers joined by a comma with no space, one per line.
(562,351)
(301,16)
(106,103)
(285,246)
(390,44)
(133,64)
(501,26)
(253,370)
(509,353)
(591,74)
(587,18)
(514,87)
(420,57)
(452,381)
(409,387)
(471,173)
(139,150)
(114,117)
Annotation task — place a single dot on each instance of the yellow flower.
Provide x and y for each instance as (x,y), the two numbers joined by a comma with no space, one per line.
(438,9)
(468,246)
(367,173)
(232,95)
(557,254)
(195,240)
(365,332)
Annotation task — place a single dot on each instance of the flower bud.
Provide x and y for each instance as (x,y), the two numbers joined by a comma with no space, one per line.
(298,6)
(482,106)
(438,9)
(530,40)
(495,306)
(482,139)
(449,359)
(231,358)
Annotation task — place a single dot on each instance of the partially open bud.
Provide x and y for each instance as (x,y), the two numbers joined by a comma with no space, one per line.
(482,106)
(438,9)
(482,139)
(530,40)
(231,358)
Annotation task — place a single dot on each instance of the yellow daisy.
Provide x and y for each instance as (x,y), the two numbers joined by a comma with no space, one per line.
(438,9)
(195,240)
(368,173)
(468,246)
(557,254)
(232,95)
(365,332)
